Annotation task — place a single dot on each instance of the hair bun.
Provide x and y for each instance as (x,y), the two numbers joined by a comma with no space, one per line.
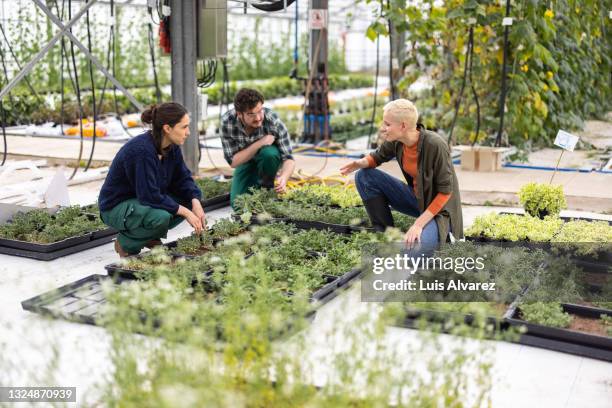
(148,116)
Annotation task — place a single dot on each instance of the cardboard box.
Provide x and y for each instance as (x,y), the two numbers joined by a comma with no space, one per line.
(481,158)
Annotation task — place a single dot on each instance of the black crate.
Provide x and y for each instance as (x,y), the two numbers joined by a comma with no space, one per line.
(79,301)
(49,256)
(564,340)
(217,202)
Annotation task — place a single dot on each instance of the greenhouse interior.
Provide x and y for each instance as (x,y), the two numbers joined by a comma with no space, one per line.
(306,203)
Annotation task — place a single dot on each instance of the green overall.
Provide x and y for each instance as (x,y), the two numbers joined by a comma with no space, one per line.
(139,224)
(266,162)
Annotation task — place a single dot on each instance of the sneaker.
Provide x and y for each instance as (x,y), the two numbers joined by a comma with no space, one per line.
(122,253)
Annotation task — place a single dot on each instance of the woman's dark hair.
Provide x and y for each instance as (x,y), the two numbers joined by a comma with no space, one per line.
(167,113)
(246,99)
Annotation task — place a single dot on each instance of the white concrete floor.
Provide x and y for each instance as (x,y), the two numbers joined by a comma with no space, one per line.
(522,376)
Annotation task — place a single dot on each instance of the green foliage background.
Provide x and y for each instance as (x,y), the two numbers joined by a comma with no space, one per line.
(558,63)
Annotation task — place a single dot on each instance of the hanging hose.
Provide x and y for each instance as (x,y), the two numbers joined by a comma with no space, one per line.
(391,83)
(473,88)
(10,95)
(93,92)
(276,6)
(158,93)
(26,80)
(3,114)
(108,56)
(114,70)
(466,68)
(78,94)
(3,118)
(502,97)
(373,119)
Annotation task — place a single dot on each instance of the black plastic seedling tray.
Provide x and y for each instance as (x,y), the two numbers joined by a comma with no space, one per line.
(118,270)
(56,246)
(567,341)
(49,256)
(441,316)
(36,247)
(217,202)
(335,285)
(564,218)
(79,301)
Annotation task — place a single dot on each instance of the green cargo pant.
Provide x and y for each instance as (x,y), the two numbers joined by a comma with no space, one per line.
(139,224)
(265,162)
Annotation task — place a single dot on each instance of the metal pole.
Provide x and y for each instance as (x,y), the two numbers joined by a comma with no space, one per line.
(85,51)
(183,39)
(318,101)
(40,55)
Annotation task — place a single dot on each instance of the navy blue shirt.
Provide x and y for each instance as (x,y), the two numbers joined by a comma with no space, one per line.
(137,172)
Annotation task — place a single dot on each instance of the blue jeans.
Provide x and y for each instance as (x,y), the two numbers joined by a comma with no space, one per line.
(373,183)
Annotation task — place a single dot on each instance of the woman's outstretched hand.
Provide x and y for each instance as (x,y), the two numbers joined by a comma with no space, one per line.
(354,165)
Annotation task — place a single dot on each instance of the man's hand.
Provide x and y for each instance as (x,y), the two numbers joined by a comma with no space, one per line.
(413,235)
(267,140)
(281,183)
(196,208)
(354,165)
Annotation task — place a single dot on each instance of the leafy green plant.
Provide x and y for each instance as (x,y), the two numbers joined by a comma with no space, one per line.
(195,244)
(41,227)
(547,314)
(512,227)
(541,200)
(212,188)
(266,203)
(321,194)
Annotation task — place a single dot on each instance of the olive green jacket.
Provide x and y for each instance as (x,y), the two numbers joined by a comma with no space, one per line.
(435,175)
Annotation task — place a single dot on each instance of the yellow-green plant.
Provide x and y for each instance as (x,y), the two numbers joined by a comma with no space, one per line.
(540,200)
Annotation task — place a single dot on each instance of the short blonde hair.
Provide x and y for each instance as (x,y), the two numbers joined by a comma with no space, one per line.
(403,110)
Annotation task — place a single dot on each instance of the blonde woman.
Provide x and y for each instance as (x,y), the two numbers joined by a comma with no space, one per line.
(432,192)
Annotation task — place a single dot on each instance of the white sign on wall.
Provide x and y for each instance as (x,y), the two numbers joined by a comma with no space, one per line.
(317,19)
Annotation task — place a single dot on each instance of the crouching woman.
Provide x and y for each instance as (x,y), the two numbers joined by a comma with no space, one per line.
(432,190)
(149,189)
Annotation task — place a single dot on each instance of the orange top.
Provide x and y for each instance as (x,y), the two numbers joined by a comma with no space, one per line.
(410,159)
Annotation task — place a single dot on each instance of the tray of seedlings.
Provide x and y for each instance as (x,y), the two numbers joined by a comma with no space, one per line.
(510,268)
(309,213)
(41,235)
(558,312)
(176,252)
(296,269)
(587,243)
(584,330)
(215,193)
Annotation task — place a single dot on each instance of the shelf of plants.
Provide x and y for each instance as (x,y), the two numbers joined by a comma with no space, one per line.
(40,235)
